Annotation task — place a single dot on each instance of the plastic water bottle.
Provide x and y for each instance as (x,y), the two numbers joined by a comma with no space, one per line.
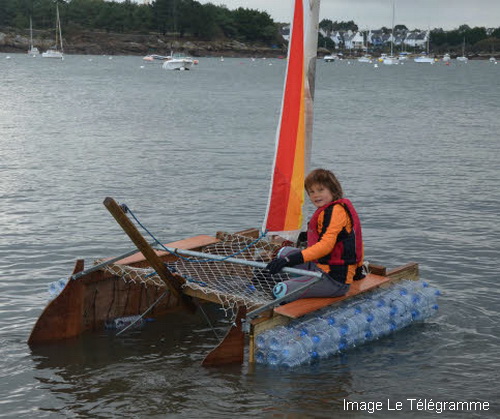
(309,327)
(350,332)
(292,354)
(280,337)
(397,308)
(380,327)
(262,340)
(324,345)
(330,318)
(56,287)
(260,356)
(122,322)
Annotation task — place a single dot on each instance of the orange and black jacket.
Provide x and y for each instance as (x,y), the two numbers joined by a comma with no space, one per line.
(335,241)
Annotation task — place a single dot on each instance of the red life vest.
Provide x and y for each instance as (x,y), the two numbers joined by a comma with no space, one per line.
(348,248)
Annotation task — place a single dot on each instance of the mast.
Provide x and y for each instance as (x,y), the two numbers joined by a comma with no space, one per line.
(392,34)
(294,134)
(31,35)
(58,28)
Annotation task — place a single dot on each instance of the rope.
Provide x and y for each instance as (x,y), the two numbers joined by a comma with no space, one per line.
(143,314)
(126,209)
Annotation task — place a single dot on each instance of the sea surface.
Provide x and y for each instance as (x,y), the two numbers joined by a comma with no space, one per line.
(416,147)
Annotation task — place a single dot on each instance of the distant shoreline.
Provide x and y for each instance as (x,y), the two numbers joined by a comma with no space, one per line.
(103,43)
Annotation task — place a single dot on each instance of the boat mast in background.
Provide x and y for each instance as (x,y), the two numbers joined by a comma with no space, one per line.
(56,53)
(33,51)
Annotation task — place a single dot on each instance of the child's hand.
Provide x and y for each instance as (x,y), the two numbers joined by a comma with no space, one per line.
(277,265)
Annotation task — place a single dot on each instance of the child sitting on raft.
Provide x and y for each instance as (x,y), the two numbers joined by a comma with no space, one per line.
(334,242)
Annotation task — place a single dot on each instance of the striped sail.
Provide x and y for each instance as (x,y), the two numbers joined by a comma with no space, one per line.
(294,133)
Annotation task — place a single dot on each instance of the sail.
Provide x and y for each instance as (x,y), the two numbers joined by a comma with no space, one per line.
(284,214)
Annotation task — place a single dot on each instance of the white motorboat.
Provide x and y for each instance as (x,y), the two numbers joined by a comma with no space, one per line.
(330,58)
(424,58)
(446,58)
(178,63)
(365,59)
(403,56)
(390,60)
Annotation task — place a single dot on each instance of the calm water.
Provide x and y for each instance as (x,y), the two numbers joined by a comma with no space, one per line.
(415,146)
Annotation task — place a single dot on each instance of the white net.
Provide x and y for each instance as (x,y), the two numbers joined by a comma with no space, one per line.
(144,276)
(231,284)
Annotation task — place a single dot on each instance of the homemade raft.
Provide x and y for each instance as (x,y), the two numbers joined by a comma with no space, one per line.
(228,269)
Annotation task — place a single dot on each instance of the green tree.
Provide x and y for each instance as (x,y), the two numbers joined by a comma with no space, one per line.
(253,25)
(163,12)
(345,26)
(327,26)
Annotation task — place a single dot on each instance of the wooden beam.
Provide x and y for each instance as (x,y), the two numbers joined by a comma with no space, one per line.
(173,283)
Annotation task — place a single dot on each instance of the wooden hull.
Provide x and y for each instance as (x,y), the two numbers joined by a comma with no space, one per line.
(85,304)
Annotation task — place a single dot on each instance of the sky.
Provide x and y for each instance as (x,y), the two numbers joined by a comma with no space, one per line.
(372,14)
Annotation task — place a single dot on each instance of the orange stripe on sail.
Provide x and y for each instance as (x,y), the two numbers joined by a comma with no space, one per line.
(293,219)
(282,201)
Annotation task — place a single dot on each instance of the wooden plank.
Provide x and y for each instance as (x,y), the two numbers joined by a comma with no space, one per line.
(52,325)
(231,350)
(191,243)
(172,281)
(408,271)
(299,308)
(377,269)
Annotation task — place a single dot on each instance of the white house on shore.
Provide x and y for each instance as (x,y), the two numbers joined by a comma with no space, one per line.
(376,38)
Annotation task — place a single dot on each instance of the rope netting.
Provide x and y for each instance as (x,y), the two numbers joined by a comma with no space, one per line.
(233,284)
(129,274)
(230,283)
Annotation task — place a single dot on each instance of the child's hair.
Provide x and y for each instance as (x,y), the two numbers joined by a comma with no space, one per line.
(327,179)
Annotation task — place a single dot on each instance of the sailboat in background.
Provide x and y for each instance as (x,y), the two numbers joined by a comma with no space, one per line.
(463,58)
(391,60)
(57,51)
(33,51)
(424,57)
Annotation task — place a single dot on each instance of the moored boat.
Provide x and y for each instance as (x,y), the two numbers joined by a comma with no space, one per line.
(178,62)
(365,59)
(424,58)
(57,51)
(156,57)
(33,51)
(330,58)
(463,58)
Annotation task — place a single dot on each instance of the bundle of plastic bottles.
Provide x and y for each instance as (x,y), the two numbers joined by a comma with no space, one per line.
(348,324)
